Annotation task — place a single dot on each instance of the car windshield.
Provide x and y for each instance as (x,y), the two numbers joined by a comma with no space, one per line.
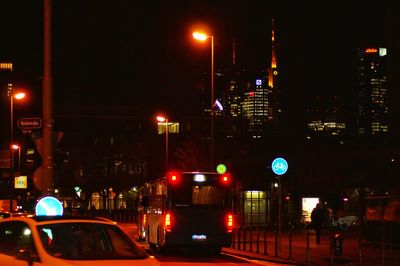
(87,241)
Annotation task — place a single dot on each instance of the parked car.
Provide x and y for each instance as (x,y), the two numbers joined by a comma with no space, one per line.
(347,222)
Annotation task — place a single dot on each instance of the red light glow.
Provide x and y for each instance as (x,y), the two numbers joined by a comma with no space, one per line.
(225,179)
(168,222)
(173,178)
(229,222)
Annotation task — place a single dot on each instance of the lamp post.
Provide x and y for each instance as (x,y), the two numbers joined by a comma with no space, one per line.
(163,119)
(202,37)
(17,96)
(18,147)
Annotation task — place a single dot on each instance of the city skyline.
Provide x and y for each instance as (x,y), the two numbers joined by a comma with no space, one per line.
(115,55)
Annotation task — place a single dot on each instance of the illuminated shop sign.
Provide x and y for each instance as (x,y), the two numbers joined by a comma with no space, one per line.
(382,52)
(6,66)
(371,51)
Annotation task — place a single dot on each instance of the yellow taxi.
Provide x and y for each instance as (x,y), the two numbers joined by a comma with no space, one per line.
(59,240)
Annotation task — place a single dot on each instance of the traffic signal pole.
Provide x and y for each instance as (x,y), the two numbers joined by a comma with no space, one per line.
(47,160)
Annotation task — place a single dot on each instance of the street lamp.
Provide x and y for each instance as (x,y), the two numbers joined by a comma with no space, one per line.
(164,120)
(203,37)
(17,96)
(17,147)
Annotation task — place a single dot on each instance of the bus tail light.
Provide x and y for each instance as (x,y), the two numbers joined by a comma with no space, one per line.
(168,222)
(229,222)
(144,219)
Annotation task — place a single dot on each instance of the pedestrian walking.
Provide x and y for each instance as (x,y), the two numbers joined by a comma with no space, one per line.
(317,219)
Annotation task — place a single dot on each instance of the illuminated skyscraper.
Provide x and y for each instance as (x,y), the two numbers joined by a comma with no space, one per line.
(247,99)
(255,107)
(373,108)
(261,103)
(6,71)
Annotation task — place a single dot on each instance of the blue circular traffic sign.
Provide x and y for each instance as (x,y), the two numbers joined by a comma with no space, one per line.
(279,166)
(48,206)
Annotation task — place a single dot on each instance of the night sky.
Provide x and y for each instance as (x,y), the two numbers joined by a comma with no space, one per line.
(142,55)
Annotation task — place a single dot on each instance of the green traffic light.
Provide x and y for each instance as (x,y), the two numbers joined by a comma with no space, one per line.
(221,169)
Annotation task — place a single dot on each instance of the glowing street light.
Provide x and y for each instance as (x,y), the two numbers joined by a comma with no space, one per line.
(164,120)
(17,96)
(203,37)
(200,36)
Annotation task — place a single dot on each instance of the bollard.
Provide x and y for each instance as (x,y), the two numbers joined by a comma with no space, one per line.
(290,243)
(265,242)
(258,240)
(276,243)
(308,257)
(244,238)
(360,243)
(383,242)
(332,248)
(238,247)
(251,239)
(337,244)
(233,238)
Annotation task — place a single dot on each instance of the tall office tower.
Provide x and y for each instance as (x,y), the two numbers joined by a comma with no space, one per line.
(256,107)
(326,116)
(6,69)
(373,108)
(230,88)
(234,92)
(261,102)
(274,108)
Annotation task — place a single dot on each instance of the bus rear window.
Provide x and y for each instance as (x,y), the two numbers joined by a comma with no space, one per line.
(199,195)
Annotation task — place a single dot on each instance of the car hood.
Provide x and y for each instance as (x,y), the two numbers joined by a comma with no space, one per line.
(141,262)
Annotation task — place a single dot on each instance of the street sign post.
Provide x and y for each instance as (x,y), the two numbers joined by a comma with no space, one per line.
(29,123)
(21,182)
(279,167)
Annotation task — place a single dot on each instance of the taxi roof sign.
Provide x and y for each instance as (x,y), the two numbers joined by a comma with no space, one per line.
(49,206)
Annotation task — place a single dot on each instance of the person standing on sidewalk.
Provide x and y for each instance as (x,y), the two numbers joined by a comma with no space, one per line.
(317,219)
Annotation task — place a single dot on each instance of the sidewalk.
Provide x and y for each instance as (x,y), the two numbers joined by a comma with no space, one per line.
(372,254)
(319,254)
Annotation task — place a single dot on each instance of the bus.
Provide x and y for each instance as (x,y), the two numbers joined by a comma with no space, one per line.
(187,210)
